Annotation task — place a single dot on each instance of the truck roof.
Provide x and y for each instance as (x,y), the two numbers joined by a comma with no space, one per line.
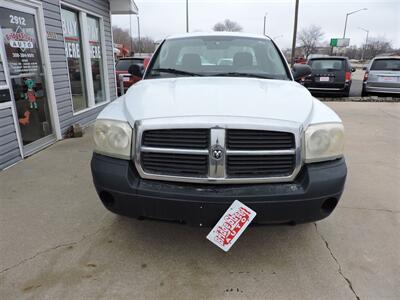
(387,57)
(217,33)
(329,57)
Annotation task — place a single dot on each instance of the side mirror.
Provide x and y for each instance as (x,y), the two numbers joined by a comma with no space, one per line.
(353,70)
(135,70)
(365,67)
(299,71)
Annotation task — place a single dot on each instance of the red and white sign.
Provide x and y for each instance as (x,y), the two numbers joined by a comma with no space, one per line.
(231,226)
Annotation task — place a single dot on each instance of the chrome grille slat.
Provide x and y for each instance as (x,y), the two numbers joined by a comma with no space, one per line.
(174,150)
(260,152)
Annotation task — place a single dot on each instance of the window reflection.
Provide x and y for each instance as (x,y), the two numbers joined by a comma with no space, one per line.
(96,59)
(73,51)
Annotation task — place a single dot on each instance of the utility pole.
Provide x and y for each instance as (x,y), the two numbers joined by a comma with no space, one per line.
(366,42)
(265,22)
(187,15)
(139,41)
(296,13)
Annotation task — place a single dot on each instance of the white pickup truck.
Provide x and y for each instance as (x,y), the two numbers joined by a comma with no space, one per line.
(219,117)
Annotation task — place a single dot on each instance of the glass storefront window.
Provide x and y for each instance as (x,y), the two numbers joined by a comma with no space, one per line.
(23,57)
(73,52)
(96,59)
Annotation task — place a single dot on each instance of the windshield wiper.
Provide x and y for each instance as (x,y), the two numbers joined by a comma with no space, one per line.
(240,74)
(175,71)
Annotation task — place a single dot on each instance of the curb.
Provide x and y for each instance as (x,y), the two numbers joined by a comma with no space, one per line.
(360,99)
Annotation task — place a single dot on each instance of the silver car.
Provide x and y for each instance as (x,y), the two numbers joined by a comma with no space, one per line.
(382,76)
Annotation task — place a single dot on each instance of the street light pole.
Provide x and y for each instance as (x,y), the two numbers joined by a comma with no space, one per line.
(187,15)
(265,22)
(366,42)
(130,34)
(139,41)
(347,16)
(296,13)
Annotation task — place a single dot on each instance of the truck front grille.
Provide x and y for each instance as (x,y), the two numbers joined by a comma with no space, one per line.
(260,165)
(239,139)
(177,138)
(217,155)
(175,164)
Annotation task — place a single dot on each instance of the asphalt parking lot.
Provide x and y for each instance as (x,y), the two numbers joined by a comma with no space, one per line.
(356,84)
(57,241)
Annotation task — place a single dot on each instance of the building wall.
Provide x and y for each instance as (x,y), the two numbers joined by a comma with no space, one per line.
(2,76)
(9,148)
(58,59)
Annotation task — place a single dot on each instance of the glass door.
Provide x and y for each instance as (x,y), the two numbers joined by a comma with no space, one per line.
(24,65)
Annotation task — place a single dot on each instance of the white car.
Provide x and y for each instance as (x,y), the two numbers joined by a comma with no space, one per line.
(190,138)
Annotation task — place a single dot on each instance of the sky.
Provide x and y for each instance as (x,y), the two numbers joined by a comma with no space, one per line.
(161,18)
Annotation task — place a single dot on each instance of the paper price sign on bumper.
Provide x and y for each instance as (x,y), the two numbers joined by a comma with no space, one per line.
(231,226)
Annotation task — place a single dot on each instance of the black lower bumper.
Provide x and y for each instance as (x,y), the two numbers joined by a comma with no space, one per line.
(337,91)
(311,197)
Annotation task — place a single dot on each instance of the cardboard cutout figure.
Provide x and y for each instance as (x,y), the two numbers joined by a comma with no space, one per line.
(31,94)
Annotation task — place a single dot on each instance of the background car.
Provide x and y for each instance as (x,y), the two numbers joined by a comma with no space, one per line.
(382,76)
(122,67)
(330,75)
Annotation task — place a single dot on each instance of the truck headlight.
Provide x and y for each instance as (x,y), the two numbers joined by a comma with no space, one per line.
(113,138)
(324,142)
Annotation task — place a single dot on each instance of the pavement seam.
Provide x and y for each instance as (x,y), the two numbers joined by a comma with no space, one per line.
(51,249)
(337,262)
(372,209)
(390,115)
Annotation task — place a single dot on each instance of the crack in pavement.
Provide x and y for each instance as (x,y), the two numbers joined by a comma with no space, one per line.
(51,249)
(337,262)
(389,114)
(371,209)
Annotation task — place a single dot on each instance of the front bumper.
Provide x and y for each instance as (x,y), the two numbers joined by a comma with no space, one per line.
(311,197)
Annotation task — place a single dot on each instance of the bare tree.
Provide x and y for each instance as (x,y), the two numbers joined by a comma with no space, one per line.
(146,45)
(121,36)
(227,25)
(354,52)
(309,38)
(377,46)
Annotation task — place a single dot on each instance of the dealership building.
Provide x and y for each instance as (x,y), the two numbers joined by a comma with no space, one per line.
(56,69)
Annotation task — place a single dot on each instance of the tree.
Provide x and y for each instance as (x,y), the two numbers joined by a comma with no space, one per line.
(146,45)
(309,38)
(227,25)
(121,36)
(377,46)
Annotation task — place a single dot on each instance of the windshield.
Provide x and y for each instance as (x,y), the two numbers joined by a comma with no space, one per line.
(386,65)
(327,64)
(124,64)
(218,56)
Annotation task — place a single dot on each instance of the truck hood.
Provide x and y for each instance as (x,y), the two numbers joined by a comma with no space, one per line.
(218,96)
